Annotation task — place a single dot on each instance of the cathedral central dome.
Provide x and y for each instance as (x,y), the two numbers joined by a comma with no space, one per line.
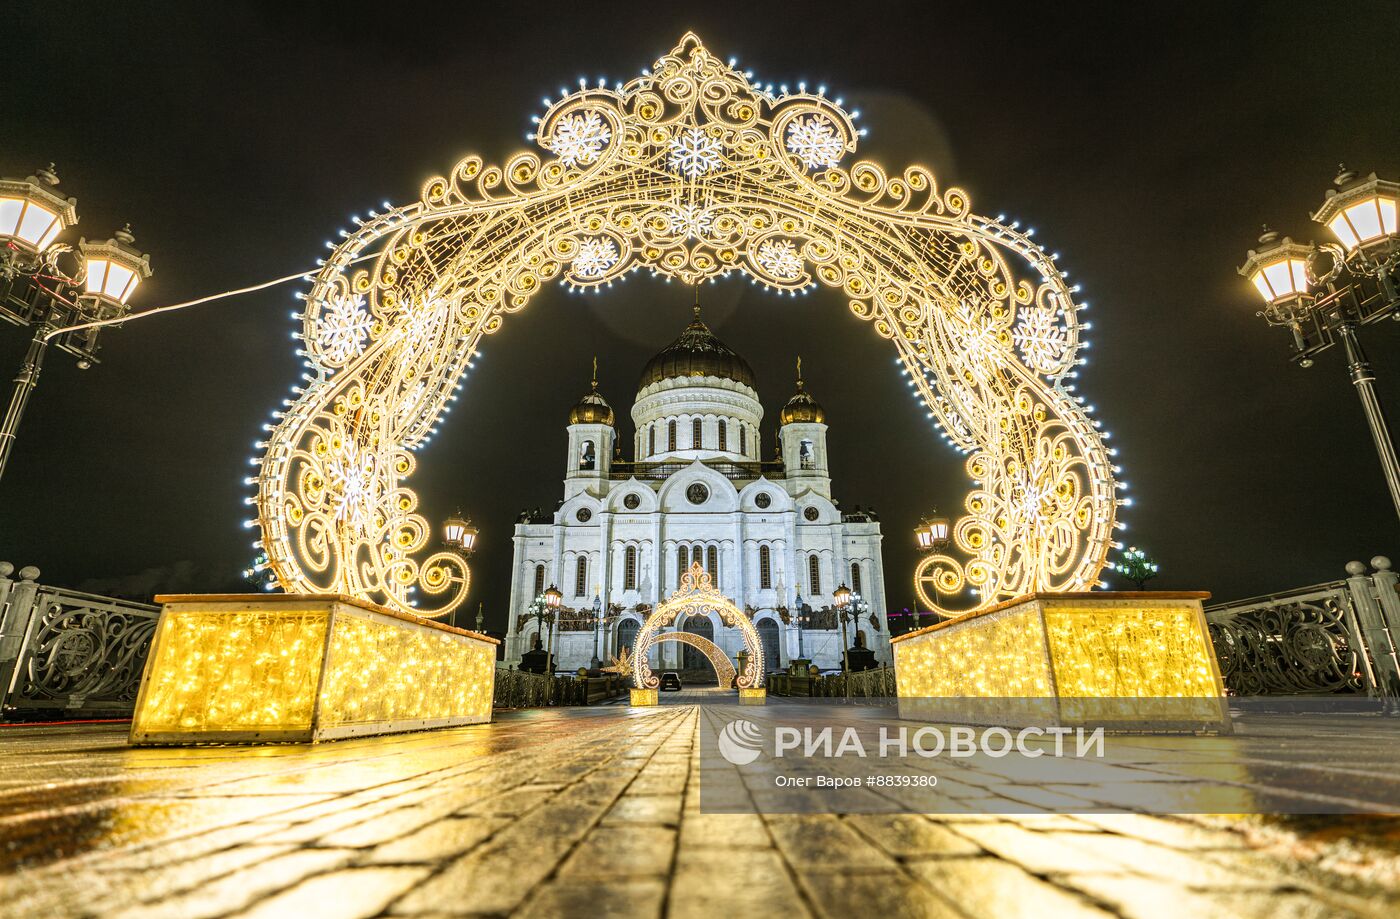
(697,353)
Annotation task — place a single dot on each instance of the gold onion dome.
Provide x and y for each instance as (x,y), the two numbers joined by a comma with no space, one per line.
(592,408)
(697,353)
(802,408)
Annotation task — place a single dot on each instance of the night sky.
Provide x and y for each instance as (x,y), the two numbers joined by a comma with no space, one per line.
(1146,143)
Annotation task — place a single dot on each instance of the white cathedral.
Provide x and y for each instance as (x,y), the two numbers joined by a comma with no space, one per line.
(697,490)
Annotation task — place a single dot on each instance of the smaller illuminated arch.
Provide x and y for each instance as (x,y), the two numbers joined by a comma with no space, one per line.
(696,595)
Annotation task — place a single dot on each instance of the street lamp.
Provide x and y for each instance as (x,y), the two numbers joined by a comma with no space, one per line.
(35,291)
(458,534)
(932,534)
(842,596)
(552,598)
(1324,292)
(597,624)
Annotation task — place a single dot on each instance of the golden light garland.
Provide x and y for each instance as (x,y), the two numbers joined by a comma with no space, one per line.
(694,172)
(697,596)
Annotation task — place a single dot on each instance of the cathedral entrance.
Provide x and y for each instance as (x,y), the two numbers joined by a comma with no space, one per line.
(694,598)
(694,660)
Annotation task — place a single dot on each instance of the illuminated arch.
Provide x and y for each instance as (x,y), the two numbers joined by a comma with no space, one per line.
(692,172)
(724,670)
(696,595)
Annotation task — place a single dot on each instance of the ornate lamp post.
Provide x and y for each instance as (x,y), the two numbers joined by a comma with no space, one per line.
(932,537)
(35,290)
(798,616)
(1325,292)
(842,596)
(597,625)
(552,598)
(459,536)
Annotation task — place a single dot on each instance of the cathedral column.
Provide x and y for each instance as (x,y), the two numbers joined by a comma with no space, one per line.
(605,531)
(740,562)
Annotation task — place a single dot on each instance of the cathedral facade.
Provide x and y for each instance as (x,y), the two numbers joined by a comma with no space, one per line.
(697,490)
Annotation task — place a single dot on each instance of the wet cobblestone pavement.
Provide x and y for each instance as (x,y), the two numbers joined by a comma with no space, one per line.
(595,812)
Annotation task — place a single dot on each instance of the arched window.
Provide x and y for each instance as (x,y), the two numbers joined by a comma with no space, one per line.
(539,580)
(629,568)
(855,576)
(697,555)
(765,568)
(806,457)
(587,458)
(695,434)
(682,563)
(651,440)
(581,576)
(671,435)
(723,434)
(712,562)
(743,440)
(814,576)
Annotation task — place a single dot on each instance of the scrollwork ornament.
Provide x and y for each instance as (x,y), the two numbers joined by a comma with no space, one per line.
(693,172)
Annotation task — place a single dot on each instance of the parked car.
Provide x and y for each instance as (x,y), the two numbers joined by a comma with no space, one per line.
(670,681)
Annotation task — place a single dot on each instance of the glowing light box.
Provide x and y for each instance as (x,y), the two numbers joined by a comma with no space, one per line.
(1128,660)
(262,668)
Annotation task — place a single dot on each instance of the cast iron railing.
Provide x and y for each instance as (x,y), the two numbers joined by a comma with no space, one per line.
(66,653)
(1337,637)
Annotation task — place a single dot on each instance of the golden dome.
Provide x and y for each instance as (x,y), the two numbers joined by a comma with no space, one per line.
(592,408)
(802,408)
(697,353)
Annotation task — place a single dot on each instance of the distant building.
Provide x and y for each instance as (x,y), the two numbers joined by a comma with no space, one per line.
(697,490)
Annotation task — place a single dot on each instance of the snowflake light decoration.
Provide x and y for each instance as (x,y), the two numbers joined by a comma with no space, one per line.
(343,328)
(579,139)
(779,258)
(814,141)
(694,152)
(1041,339)
(690,221)
(595,256)
(352,488)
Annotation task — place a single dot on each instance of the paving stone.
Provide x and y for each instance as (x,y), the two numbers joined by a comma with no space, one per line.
(1147,898)
(660,809)
(708,881)
(500,873)
(637,897)
(911,836)
(879,893)
(623,851)
(822,842)
(438,841)
(242,888)
(356,893)
(724,831)
(991,888)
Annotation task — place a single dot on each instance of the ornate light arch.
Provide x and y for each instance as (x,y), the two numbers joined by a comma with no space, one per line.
(724,670)
(693,172)
(696,595)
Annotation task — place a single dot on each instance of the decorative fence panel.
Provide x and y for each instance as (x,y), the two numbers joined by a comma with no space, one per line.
(522,689)
(1333,638)
(860,684)
(69,654)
